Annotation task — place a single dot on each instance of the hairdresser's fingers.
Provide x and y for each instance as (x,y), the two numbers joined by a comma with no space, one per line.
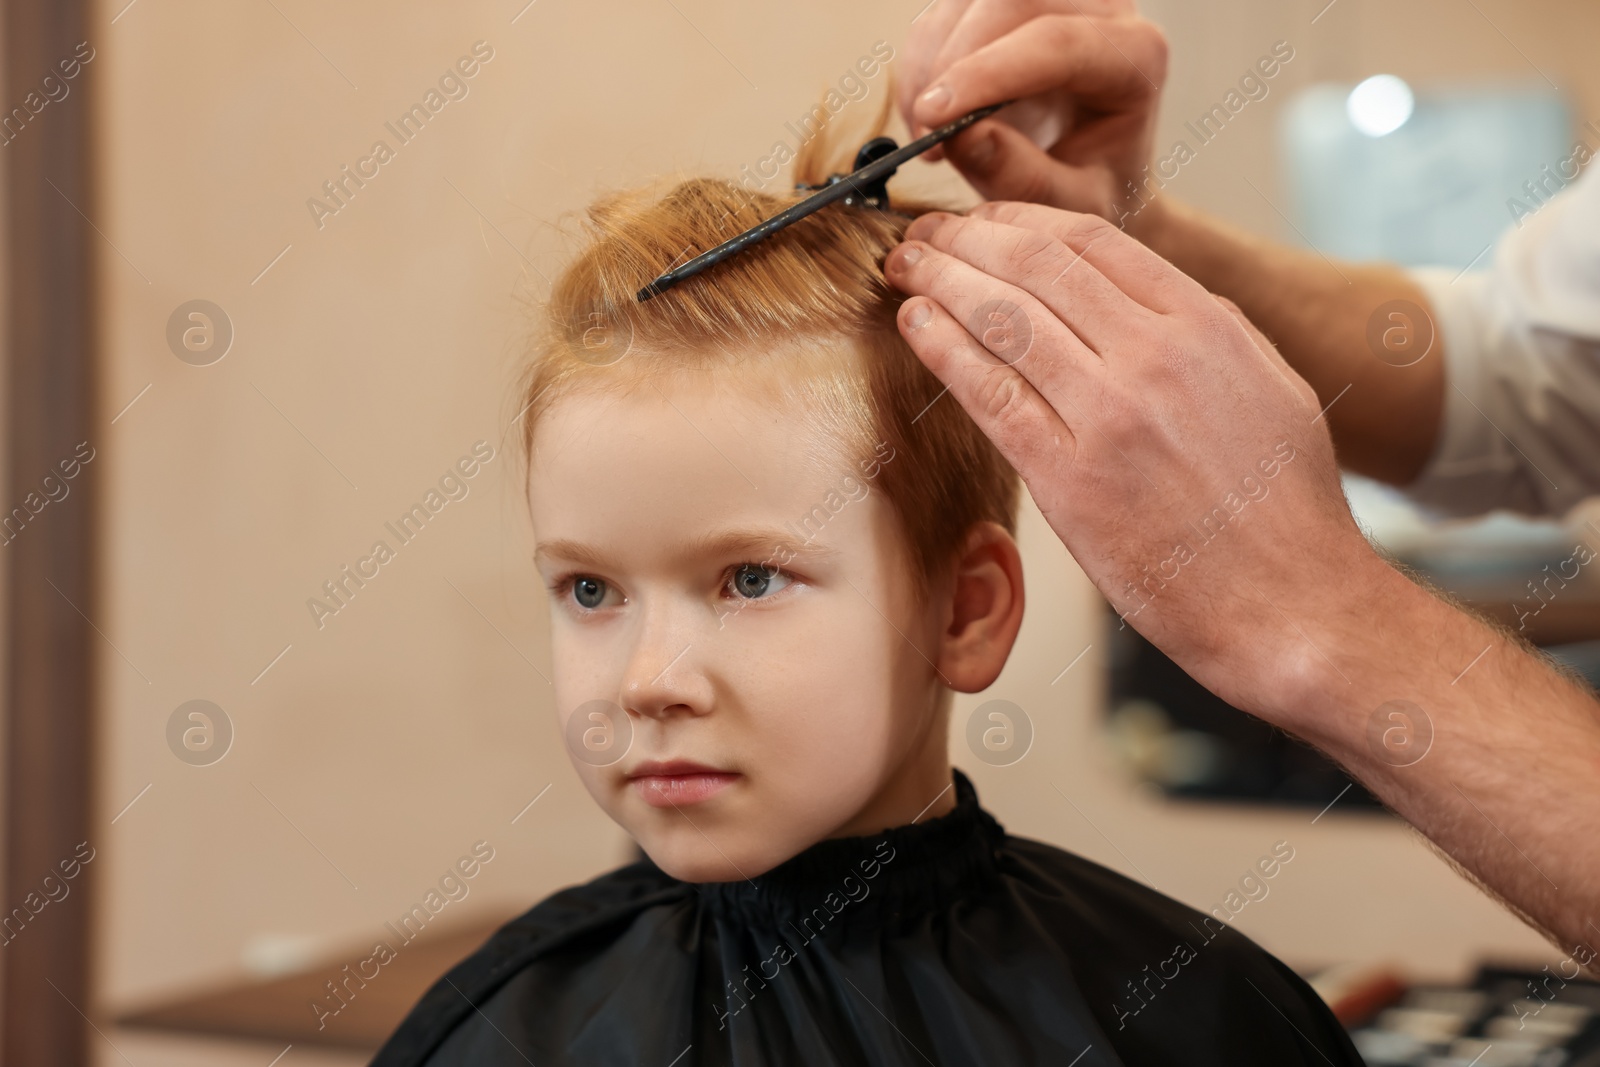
(985,21)
(1128,264)
(1027,429)
(929,31)
(1066,283)
(1003,163)
(1088,89)
(1109,64)
(1009,322)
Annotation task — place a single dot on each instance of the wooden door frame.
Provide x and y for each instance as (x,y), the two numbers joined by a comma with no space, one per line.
(48,406)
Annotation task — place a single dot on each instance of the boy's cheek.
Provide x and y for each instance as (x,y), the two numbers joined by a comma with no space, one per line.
(576,678)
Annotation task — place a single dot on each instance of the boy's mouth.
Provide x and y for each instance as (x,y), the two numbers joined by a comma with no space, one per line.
(674,783)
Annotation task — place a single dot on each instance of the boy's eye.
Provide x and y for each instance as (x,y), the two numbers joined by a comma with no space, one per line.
(588,592)
(753,581)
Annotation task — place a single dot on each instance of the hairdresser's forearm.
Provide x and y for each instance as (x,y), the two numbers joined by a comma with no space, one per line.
(1386,417)
(1510,787)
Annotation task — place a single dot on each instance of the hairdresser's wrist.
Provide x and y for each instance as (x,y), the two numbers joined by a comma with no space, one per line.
(1368,645)
(1319,659)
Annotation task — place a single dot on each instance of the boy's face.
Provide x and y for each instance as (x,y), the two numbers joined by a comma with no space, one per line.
(691,618)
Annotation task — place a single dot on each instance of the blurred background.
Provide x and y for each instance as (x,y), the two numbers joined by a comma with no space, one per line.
(260,341)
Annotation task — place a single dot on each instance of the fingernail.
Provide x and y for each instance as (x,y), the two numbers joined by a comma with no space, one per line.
(909,255)
(937,98)
(919,316)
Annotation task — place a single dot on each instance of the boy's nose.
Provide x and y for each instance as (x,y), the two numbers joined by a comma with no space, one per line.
(664,677)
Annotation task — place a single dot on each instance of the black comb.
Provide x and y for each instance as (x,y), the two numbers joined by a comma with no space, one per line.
(876,161)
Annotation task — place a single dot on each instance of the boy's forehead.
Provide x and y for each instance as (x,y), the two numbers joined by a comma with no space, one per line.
(780,417)
(697,454)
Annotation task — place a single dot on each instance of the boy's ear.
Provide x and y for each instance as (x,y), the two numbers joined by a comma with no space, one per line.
(983,609)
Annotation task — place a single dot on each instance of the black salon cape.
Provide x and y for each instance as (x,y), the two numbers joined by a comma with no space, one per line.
(942,942)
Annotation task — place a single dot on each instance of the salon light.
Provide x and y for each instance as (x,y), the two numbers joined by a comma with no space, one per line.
(1380,105)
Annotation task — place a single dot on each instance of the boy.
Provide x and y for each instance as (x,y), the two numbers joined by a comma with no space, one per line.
(773,553)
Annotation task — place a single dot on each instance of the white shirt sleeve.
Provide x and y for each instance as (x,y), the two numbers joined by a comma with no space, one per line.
(1521,421)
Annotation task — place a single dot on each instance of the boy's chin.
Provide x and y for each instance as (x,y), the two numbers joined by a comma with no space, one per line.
(698,861)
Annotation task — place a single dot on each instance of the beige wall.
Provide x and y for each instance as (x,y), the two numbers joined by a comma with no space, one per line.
(379,349)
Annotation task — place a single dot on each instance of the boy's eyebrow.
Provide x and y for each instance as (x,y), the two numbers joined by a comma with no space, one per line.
(760,543)
(571,551)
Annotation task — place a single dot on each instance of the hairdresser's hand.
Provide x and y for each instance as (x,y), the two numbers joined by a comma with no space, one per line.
(1088,77)
(1182,462)
(1190,472)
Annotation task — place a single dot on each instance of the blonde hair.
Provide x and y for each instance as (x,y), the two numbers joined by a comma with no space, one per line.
(788,306)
